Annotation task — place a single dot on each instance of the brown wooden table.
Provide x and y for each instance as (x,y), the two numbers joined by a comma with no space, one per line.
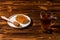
(31,9)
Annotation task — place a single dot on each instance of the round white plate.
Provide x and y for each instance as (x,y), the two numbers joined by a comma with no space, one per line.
(12,18)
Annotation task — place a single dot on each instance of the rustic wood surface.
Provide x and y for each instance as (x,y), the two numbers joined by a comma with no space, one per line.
(32,9)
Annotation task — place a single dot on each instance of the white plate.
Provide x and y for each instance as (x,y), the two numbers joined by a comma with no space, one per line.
(12,18)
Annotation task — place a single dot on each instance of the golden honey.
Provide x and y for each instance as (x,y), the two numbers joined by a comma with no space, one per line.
(22,19)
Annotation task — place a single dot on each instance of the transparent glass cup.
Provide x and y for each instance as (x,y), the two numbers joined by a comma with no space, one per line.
(47,20)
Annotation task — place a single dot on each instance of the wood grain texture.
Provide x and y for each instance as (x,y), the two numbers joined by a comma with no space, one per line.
(32,9)
(9,8)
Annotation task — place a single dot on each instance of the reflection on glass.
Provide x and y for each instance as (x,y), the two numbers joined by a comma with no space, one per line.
(47,20)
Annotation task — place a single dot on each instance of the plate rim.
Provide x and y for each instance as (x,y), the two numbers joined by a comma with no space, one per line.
(19,14)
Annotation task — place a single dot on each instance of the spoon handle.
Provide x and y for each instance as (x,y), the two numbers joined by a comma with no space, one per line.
(5,18)
(15,23)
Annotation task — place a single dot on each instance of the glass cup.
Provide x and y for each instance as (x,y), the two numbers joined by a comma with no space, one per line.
(47,20)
